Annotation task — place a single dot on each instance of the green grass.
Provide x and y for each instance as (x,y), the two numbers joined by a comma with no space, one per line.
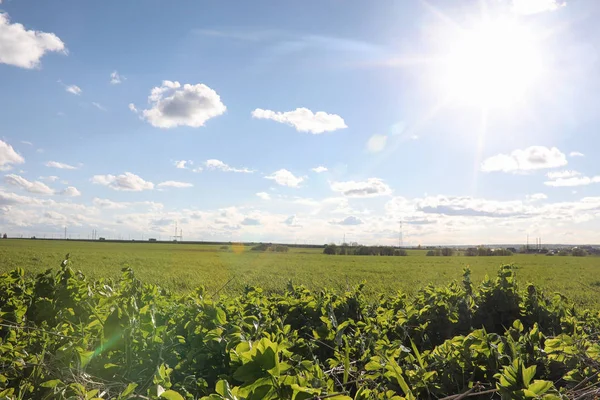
(184,267)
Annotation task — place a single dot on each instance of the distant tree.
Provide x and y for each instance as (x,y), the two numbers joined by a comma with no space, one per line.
(430,253)
(577,252)
(447,252)
(330,249)
(4,236)
(563,253)
(471,252)
(400,252)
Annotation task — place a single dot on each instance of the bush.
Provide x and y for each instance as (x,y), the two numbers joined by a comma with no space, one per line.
(431,253)
(330,249)
(280,248)
(67,336)
(260,247)
(400,252)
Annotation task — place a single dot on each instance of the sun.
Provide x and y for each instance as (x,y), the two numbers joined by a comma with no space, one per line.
(493,64)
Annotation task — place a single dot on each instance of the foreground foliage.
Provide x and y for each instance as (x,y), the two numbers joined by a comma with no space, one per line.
(64,336)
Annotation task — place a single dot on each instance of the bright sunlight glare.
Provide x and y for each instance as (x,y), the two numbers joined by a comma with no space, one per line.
(495,64)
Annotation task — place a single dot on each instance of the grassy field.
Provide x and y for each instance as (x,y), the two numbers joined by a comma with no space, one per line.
(182,267)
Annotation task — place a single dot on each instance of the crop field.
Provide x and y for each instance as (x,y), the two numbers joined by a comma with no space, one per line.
(184,267)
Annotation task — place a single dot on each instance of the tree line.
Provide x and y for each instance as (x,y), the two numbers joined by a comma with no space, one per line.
(332,249)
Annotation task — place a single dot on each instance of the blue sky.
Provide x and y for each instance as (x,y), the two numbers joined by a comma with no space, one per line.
(470,122)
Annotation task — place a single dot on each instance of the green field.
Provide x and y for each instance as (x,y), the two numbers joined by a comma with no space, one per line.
(183,267)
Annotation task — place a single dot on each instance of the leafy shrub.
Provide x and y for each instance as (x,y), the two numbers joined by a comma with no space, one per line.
(400,252)
(63,335)
(577,252)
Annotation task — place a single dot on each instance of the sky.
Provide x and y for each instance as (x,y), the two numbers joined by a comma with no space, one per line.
(452,122)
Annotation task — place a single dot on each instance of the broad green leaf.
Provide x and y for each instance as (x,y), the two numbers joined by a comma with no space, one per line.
(128,390)
(171,395)
(51,383)
(528,374)
(540,387)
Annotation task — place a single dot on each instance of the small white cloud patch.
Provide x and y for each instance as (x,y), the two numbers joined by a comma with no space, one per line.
(8,156)
(284,177)
(71,191)
(304,120)
(576,154)
(175,184)
(115,78)
(319,169)
(31,187)
(175,105)
(264,195)
(126,182)
(98,106)
(25,48)
(522,160)
(131,107)
(213,164)
(372,187)
(74,89)
(59,165)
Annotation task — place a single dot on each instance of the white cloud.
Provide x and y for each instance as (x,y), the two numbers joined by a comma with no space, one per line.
(573,181)
(59,165)
(372,187)
(28,143)
(376,143)
(531,158)
(319,169)
(132,107)
(562,174)
(31,187)
(198,169)
(264,195)
(98,106)
(175,105)
(24,48)
(351,220)
(8,156)
(576,154)
(220,165)
(51,178)
(528,7)
(175,184)
(126,182)
(536,197)
(303,119)
(115,78)
(71,191)
(284,177)
(74,89)
(181,164)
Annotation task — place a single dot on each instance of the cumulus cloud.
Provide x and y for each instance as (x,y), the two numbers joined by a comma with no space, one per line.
(536,197)
(24,48)
(576,154)
(372,187)
(573,181)
(175,105)
(8,156)
(51,178)
(74,89)
(528,7)
(562,174)
(319,169)
(521,160)
(284,177)
(70,191)
(304,120)
(264,195)
(250,222)
(181,164)
(115,78)
(59,165)
(175,184)
(126,182)
(132,107)
(466,206)
(376,143)
(31,187)
(351,220)
(221,166)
